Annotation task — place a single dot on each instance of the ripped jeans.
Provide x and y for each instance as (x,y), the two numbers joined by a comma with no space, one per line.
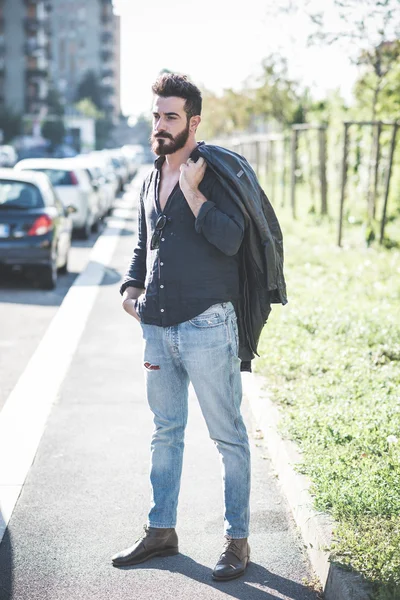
(203,351)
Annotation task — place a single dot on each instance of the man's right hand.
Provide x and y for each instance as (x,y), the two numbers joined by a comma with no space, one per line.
(129,297)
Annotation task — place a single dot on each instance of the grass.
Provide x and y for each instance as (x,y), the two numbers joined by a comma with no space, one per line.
(332,361)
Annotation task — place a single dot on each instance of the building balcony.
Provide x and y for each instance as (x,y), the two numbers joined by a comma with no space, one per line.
(106,55)
(107,37)
(36,73)
(106,18)
(32,25)
(107,72)
(33,48)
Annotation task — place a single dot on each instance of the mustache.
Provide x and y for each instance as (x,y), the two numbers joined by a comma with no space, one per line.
(163,135)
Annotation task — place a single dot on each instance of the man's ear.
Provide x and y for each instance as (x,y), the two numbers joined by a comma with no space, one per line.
(194,123)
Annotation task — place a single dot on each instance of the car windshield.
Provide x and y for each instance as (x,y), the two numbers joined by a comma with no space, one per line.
(57,176)
(18,194)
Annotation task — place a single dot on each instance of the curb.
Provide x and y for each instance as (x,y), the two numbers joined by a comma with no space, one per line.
(316,528)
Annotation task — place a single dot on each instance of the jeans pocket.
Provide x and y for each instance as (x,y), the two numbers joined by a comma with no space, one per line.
(212,317)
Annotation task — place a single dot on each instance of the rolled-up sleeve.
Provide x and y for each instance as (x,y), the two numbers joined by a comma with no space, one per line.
(220,221)
(135,276)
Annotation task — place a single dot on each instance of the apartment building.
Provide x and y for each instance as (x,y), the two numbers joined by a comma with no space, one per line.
(24,55)
(86,37)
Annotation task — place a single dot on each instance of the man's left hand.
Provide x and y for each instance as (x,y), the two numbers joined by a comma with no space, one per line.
(191,174)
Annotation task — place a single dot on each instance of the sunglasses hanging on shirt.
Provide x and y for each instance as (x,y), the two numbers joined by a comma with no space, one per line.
(156,237)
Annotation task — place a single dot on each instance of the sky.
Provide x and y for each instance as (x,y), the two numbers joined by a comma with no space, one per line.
(218,44)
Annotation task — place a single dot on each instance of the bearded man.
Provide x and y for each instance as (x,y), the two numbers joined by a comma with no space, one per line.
(182,286)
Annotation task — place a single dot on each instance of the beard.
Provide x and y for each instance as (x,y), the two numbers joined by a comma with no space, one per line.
(164,143)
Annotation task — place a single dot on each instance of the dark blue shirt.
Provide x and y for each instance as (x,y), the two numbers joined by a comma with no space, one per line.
(197,263)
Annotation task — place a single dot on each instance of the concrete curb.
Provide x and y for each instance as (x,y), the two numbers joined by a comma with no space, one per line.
(316,528)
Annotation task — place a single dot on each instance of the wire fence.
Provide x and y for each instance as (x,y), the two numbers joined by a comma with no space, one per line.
(349,172)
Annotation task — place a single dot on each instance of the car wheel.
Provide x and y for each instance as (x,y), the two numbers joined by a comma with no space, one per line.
(48,276)
(86,231)
(64,269)
(96,226)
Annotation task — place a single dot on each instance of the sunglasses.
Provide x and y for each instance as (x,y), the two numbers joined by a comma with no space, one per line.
(156,237)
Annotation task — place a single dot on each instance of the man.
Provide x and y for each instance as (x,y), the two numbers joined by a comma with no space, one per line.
(182,286)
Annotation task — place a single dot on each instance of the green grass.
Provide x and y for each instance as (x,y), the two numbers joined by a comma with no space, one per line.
(331,358)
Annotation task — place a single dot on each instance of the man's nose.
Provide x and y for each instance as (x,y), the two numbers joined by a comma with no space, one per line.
(159,125)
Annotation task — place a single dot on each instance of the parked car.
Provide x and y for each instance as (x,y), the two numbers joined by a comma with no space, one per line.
(8,156)
(35,227)
(103,161)
(119,166)
(98,181)
(74,188)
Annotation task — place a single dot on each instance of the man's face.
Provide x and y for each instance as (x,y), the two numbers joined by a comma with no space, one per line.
(170,125)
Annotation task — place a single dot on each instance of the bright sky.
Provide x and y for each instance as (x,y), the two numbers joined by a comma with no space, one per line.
(218,43)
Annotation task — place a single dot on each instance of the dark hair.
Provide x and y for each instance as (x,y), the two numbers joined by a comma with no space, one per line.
(173,84)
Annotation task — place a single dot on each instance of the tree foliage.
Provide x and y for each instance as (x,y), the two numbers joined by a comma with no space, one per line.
(88,109)
(54,130)
(10,124)
(90,87)
(273,98)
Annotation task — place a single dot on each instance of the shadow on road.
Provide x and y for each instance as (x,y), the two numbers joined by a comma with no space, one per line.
(6,563)
(245,588)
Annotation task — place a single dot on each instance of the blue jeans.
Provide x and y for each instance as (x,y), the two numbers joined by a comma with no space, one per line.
(203,351)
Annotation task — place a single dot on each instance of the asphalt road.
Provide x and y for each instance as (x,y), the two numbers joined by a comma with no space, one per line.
(86,495)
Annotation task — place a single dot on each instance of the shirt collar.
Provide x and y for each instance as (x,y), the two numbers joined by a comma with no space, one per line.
(158,163)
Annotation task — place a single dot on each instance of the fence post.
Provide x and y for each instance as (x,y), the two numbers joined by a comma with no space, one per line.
(283,173)
(344,180)
(322,170)
(257,149)
(293,171)
(272,162)
(376,167)
(387,183)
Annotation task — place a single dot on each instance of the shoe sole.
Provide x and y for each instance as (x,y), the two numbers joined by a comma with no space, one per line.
(167,552)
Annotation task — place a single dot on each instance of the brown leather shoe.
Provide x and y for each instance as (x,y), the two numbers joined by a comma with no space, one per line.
(153,542)
(233,561)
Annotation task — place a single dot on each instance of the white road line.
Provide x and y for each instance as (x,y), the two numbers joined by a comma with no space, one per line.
(24,415)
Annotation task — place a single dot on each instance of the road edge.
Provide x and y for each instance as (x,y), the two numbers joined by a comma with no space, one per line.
(316,528)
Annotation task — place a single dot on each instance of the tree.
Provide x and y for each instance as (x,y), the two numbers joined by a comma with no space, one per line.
(90,87)
(54,103)
(141,130)
(277,97)
(88,109)
(54,130)
(10,124)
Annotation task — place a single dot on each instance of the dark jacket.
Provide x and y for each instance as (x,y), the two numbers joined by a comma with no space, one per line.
(261,264)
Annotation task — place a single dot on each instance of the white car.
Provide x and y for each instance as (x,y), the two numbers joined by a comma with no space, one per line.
(73,187)
(105,188)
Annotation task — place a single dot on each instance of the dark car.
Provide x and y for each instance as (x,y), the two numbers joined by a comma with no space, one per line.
(35,228)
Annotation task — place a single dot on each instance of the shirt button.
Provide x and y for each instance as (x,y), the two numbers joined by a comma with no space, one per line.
(163,239)
(162,264)
(162,310)
(162,287)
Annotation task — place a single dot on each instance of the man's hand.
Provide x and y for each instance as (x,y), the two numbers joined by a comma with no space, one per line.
(191,175)
(131,294)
